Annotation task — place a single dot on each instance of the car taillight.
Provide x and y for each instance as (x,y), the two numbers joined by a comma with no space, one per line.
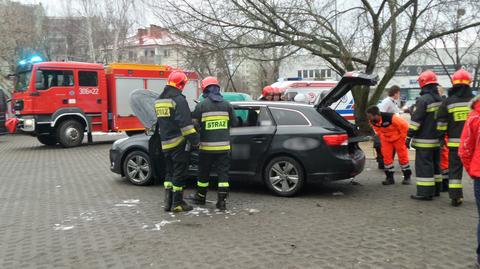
(336,140)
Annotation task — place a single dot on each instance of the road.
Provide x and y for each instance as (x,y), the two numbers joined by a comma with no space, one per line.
(63,208)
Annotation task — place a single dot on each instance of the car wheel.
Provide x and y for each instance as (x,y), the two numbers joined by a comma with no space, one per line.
(48,140)
(70,133)
(137,168)
(284,176)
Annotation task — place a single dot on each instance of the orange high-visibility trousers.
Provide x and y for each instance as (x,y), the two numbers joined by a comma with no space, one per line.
(388,149)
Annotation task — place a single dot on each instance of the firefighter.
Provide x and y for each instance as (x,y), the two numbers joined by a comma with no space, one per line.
(392,131)
(176,128)
(451,118)
(423,136)
(267,93)
(215,116)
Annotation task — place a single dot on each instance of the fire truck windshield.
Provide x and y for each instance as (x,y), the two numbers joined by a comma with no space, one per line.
(22,81)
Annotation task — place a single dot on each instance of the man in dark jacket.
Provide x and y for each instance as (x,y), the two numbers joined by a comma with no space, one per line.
(423,136)
(215,116)
(176,127)
(451,118)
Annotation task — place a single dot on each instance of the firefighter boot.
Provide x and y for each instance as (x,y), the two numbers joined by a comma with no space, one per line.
(457,202)
(178,204)
(407,174)
(168,199)
(222,197)
(199,198)
(389,180)
(421,198)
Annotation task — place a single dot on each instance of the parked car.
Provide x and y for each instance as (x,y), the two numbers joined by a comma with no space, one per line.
(281,143)
(3,112)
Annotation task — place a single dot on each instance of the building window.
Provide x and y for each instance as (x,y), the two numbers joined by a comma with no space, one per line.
(166,53)
(310,73)
(152,53)
(299,73)
(305,73)
(317,73)
(146,53)
(329,73)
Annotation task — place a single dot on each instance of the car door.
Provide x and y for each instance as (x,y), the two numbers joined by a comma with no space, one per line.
(251,140)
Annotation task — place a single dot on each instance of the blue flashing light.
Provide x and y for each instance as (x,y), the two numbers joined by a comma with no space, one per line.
(35,59)
(22,62)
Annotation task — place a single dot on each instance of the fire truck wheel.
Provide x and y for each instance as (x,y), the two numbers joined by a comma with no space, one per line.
(70,133)
(48,140)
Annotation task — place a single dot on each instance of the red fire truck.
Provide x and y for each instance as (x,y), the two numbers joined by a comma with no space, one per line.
(59,101)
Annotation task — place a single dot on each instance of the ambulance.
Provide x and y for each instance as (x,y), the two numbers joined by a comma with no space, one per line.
(314,91)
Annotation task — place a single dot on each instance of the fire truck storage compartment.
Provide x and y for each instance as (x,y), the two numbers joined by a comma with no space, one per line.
(124,87)
(156,84)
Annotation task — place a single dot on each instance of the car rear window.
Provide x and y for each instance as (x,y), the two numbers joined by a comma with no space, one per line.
(284,116)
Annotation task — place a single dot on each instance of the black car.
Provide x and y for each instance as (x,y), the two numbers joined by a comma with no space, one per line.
(284,144)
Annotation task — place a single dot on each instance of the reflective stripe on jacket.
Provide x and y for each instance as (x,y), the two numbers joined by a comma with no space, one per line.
(174,119)
(423,126)
(451,118)
(215,119)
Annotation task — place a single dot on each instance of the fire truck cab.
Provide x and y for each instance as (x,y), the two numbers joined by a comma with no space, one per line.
(59,101)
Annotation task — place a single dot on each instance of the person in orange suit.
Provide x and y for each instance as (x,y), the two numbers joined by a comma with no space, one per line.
(392,131)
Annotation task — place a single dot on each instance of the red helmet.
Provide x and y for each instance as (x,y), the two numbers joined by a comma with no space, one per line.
(267,90)
(209,81)
(426,78)
(461,77)
(177,79)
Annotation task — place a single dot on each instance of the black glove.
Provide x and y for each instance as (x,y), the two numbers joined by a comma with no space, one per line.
(408,141)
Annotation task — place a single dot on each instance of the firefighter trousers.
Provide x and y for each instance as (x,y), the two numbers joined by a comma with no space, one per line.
(217,162)
(427,168)
(388,152)
(455,173)
(176,166)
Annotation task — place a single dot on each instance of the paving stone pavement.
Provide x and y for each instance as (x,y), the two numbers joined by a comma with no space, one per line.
(63,208)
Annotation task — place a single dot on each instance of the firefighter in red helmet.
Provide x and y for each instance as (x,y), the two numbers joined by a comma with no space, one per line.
(423,136)
(451,118)
(176,128)
(267,93)
(215,116)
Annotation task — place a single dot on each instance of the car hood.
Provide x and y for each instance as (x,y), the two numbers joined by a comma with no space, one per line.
(140,140)
(348,81)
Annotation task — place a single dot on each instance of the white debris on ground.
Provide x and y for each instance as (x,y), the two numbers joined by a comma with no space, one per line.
(69,221)
(338,193)
(252,210)
(159,226)
(61,227)
(197,211)
(128,203)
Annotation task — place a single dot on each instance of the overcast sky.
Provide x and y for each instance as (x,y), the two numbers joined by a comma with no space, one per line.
(56,8)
